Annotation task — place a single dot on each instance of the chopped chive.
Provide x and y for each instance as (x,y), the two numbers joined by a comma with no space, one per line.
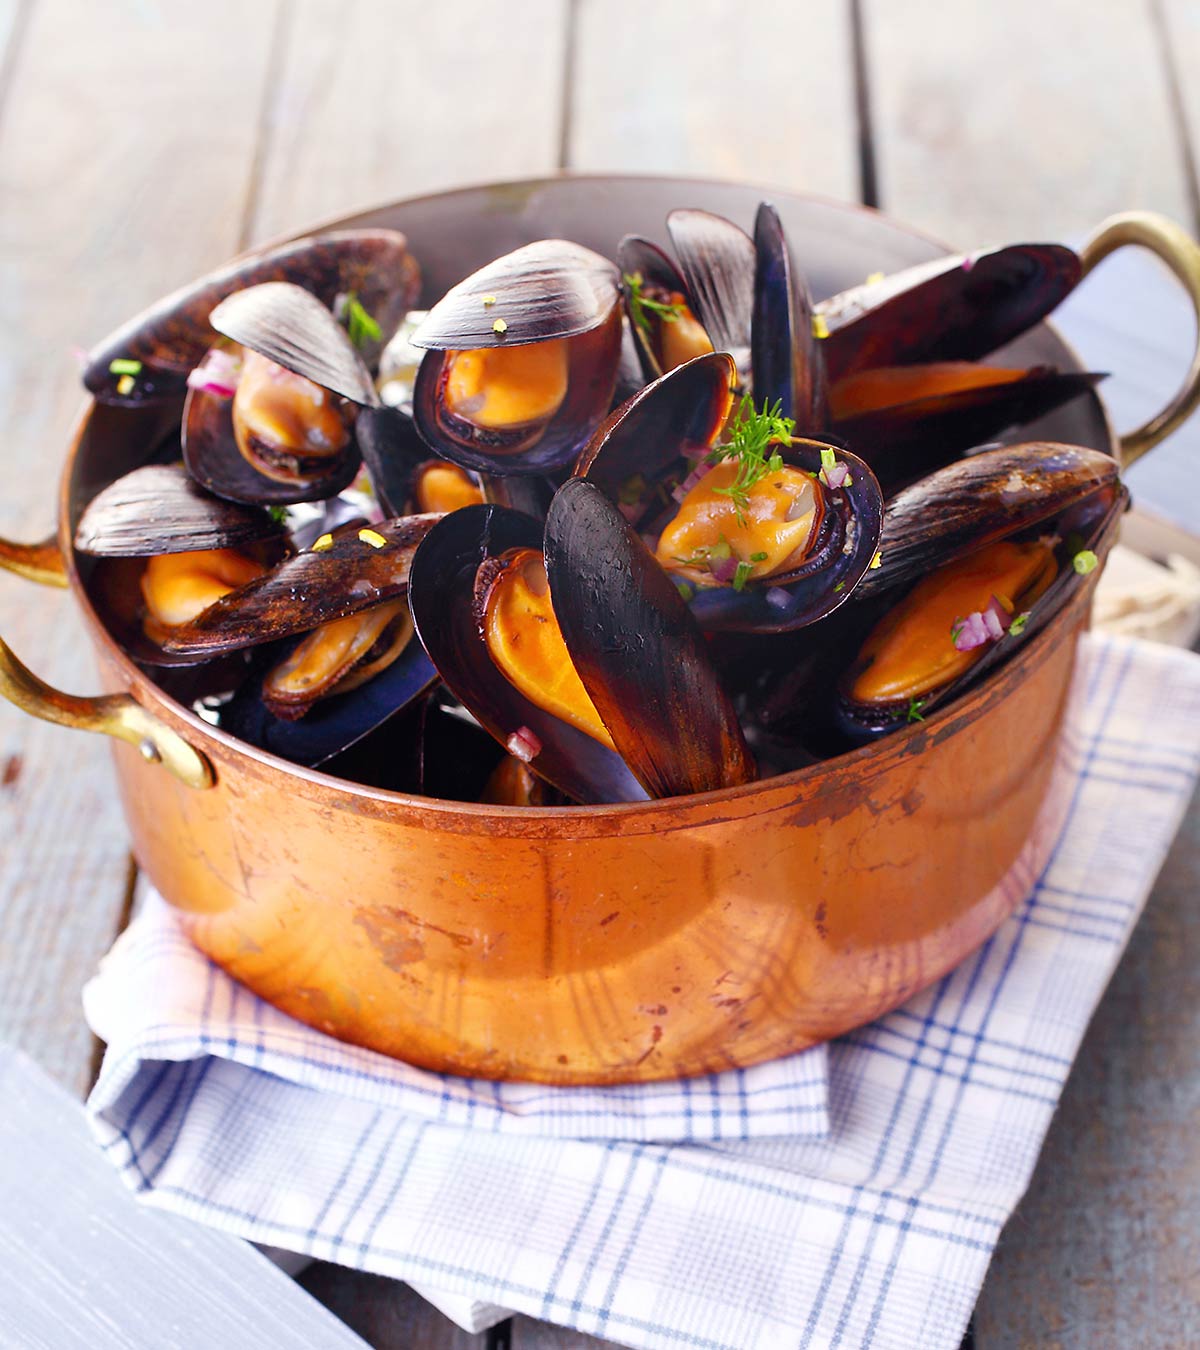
(742,575)
(1017,627)
(124,366)
(324,544)
(278,514)
(360,326)
(758,557)
(1085,561)
(372,537)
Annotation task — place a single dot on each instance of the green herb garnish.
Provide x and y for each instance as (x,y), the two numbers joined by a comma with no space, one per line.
(750,438)
(758,557)
(742,575)
(1085,561)
(914,710)
(685,589)
(1017,627)
(641,305)
(124,366)
(278,514)
(361,327)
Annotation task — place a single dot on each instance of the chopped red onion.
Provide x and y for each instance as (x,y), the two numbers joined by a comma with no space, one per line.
(835,475)
(777,597)
(523,745)
(981,627)
(681,490)
(217,374)
(724,569)
(997,618)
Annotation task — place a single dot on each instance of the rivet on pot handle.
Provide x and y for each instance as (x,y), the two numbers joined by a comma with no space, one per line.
(42,562)
(118,715)
(1181,253)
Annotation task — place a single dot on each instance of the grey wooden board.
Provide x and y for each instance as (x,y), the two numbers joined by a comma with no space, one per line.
(1132,319)
(127,136)
(86,1265)
(1104,1251)
(1031,118)
(747,89)
(372,100)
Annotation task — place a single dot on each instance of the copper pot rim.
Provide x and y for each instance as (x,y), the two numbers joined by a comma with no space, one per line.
(862,765)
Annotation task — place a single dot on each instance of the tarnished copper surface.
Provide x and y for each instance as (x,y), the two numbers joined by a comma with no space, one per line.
(605,944)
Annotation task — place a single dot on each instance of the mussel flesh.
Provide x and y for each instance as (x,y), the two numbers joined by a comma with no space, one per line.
(522,360)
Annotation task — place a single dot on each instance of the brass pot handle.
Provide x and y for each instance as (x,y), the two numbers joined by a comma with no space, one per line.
(119,715)
(42,562)
(1181,253)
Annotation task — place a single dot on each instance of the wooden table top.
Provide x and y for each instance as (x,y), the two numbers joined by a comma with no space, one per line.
(144,141)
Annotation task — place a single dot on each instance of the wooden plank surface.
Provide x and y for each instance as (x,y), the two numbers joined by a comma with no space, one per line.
(85,1264)
(126,144)
(1032,118)
(1105,1249)
(744,89)
(370,101)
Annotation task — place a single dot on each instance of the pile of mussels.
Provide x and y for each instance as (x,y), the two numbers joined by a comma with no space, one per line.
(585,532)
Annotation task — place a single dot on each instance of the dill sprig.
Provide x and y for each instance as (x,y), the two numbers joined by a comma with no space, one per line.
(360,326)
(641,305)
(749,442)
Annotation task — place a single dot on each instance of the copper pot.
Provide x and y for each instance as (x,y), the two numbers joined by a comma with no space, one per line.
(598,944)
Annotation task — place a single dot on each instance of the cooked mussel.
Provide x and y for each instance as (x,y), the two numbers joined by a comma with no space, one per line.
(370,271)
(992,495)
(765,531)
(522,360)
(446,595)
(351,569)
(662,322)
(271,419)
(717,262)
(581,659)
(950,309)
(910,420)
(962,620)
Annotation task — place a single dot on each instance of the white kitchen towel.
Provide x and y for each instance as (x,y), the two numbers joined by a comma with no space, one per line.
(878,1234)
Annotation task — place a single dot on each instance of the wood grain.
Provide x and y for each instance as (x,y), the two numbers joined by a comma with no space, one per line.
(1034,118)
(371,100)
(1178,26)
(85,1264)
(1104,1250)
(730,88)
(126,145)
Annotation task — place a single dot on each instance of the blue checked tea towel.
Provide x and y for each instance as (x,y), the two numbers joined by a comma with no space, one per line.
(762,1230)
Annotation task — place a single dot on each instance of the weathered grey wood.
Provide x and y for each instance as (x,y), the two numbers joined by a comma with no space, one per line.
(1105,1249)
(746,89)
(85,1264)
(126,143)
(1028,118)
(384,1312)
(1178,24)
(376,100)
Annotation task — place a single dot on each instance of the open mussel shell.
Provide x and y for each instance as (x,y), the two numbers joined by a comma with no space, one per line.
(550,293)
(334,724)
(906,440)
(951,309)
(353,573)
(787,364)
(647,449)
(213,458)
(295,330)
(717,261)
(652,442)
(536,447)
(548,289)
(170,339)
(1089,524)
(638,257)
(160,508)
(442,599)
(638,650)
(987,496)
